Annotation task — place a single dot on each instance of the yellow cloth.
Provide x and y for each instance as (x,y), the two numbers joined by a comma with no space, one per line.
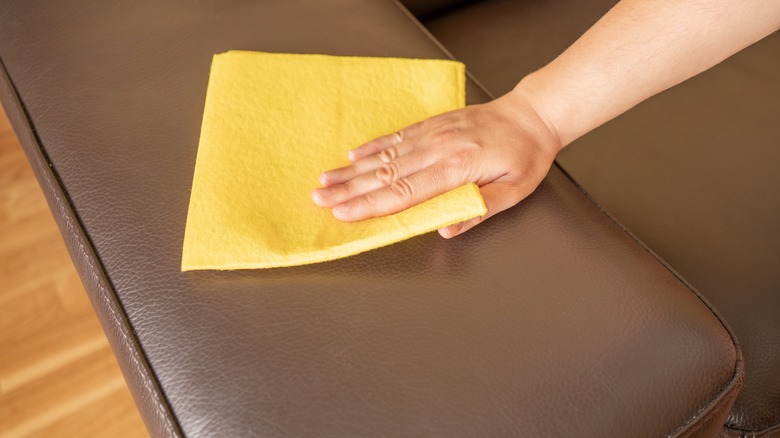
(273,122)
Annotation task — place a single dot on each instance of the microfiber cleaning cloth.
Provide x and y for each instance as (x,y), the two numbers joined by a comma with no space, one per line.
(274,122)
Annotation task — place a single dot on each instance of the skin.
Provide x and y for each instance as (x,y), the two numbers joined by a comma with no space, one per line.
(638,49)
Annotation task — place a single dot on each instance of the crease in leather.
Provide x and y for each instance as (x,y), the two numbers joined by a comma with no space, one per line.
(772,431)
(82,250)
(431,10)
(732,387)
(440,46)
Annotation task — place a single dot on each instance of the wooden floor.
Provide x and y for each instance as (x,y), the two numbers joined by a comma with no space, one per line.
(58,377)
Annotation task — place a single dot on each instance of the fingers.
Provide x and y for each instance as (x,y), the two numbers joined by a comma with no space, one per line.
(498,196)
(376,145)
(382,143)
(366,164)
(384,174)
(400,195)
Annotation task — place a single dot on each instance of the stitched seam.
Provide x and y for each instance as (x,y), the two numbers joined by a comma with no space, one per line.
(117,324)
(732,394)
(160,410)
(706,418)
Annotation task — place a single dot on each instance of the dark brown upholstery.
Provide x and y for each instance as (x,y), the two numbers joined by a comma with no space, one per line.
(425,9)
(693,171)
(551,320)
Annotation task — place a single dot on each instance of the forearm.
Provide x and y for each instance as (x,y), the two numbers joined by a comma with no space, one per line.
(638,49)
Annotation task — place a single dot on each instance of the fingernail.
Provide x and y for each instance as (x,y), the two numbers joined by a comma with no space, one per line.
(323,193)
(352,155)
(341,209)
(324,180)
(453,230)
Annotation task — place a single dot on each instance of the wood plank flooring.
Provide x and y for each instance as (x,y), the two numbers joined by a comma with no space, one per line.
(58,377)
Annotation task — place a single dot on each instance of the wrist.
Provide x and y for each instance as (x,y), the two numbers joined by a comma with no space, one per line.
(532,90)
(522,108)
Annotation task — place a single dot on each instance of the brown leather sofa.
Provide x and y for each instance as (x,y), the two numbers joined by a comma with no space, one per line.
(552,319)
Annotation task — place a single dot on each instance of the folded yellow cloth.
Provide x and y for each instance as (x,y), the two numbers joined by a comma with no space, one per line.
(273,122)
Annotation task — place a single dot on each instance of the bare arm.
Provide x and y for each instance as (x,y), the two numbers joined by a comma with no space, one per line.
(638,49)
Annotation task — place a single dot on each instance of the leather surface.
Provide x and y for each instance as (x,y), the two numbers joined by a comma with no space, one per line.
(693,171)
(429,8)
(549,320)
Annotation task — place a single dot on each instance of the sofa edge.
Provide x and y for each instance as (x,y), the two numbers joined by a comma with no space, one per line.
(136,369)
(710,418)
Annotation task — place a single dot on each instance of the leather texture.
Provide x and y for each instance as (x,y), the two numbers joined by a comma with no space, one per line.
(550,320)
(692,171)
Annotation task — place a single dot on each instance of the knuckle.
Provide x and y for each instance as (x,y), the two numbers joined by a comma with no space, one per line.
(460,158)
(402,189)
(451,175)
(366,203)
(446,120)
(389,154)
(451,133)
(347,188)
(388,173)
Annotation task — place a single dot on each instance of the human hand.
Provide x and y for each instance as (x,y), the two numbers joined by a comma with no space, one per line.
(503,146)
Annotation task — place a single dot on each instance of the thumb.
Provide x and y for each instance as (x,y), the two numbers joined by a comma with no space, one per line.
(498,196)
